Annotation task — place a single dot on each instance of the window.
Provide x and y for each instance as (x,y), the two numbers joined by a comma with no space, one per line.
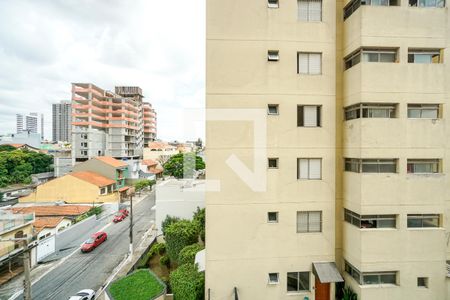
(370,165)
(309,168)
(422,282)
(272,55)
(309,63)
(308,115)
(423,111)
(422,56)
(423,166)
(370,55)
(370,110)
(83,152)
(310,10)
(298,281)
(370,221)
(272,109)
(272,217)
(309,221)
(103,191)
(355,4)
(273,4)
(423,220)
(427,3)
(272,163)
(84,136)
(369,278)
(273,278)
(83,144)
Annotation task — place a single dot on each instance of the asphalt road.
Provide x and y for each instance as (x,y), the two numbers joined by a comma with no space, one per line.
(91,270)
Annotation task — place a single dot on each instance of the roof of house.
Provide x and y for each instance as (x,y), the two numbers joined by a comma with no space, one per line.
(46,222)
(53,210)
(93,178)
(149,162)
(159,145)
(156,170)
(112,161)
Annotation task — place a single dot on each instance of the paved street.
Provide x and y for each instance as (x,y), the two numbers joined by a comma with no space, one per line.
(91,270)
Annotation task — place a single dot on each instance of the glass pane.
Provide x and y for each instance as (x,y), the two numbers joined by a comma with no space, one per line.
(302,221)
(388,168)
(430,113)
(368,223)
(422,58)
(388,278)
(378,113)
(431,221)
(440,3)
(369,168)
(315,221)
(370,57)
(386,223)
(292,281)
(414,222)
(304,281)
(387,57)
(371,279)
(413,113)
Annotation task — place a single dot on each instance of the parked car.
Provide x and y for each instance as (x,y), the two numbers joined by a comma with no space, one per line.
(84,295)
(124,212)
(119,218)
(94,241)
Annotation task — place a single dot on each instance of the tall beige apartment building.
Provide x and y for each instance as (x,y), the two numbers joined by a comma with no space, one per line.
(357,149)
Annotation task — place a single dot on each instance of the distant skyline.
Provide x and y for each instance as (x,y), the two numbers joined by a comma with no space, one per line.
(47,45)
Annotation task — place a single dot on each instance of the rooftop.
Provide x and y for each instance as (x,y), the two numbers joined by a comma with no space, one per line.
(112,161)
(93,178)
(46,222)
(53,210)
(160,145)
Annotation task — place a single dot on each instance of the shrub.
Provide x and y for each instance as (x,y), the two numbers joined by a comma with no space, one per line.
(187,283)
(179,235)
(164,260)
(349,294)
(159,248)
(167,221)
(187,254)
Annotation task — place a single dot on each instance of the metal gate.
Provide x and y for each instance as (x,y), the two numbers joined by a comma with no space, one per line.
(45,248)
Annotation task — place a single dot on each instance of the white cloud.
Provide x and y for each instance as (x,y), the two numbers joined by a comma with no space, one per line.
(157,45)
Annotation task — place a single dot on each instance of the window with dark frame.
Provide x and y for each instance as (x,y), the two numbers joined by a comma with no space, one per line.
(424,56)
(369,165)
(427,3)
(370,278)
(370,110)
(272,217)
(273,55)
(423,111)
(309,115)
(369,221)
(272,109)
(272,163)
(423,220)
(273,278)
(273,4)
(381,55)
(422,282)
(423,166)
(298,281)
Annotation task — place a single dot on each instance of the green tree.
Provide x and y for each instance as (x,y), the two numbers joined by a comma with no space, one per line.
(200,219)
(7,148)
(187,283)
(167,221)
(183,165)
(179,235)
(187,254)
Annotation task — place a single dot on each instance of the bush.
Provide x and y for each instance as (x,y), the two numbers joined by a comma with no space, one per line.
(200,219)
(179,235)
(167,221)
(164,261)
(159,248)
(349,294)
(187,283)
(139,285)
(187,254)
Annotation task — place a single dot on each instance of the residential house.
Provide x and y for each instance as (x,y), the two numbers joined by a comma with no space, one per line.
(47,226)
(160,151)
(76,187)
(106,166)
(151,169)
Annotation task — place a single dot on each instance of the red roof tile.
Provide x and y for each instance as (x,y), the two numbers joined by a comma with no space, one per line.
(53,210)
(47,222)
(112,161)
(93,178)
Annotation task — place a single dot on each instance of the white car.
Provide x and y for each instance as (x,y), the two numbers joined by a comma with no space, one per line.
(84,295)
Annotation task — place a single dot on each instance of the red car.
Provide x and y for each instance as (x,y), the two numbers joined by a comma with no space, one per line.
(118,218)
(94,241)
(124,212)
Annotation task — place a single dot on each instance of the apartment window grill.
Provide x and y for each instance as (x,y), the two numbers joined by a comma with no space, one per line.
(369,165)
(351,7)
(370,221)
(370,110)
(370,278)
(310,10)
(308,115)
(423,166)
(424,56)
(423,220)
(370,55)
(427,3)
(309,221)
(423,111)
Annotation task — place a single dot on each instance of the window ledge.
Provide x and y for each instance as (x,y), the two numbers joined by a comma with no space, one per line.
(377,286)
(425,174)
(425,228)
(378,229)
(298,293)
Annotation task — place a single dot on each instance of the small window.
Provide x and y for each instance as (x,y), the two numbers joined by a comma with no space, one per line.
(427,3)
(272,55)
(423,111)
(272,109)
(368,165)
(309,168)
(308,115)
(422,282)
(370,55)
(272,217)
(298,281)
(370,110)
(272,3)
(273,278)
(424,56)
(272,163)
(309,63)
(310,10)
(309,221)
(423,220)
(423,166)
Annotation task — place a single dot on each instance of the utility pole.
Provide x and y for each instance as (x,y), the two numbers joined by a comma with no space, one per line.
(131,225)
(26,270)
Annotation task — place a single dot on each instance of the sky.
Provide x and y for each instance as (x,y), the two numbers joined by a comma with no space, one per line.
(46,45)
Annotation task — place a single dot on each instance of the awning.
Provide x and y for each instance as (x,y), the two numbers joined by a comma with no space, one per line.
(327,272)
(123,189)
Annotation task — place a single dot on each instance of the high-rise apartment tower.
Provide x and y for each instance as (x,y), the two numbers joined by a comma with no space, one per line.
(61,121)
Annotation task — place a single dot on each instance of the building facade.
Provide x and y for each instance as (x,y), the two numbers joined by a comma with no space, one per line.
(62,122)
(27,123)
(149,123)
(354,95)
(107,123)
